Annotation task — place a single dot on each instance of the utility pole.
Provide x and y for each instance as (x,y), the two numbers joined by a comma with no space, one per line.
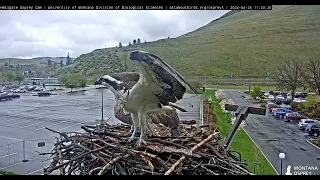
(101,105)
(125,61)
(9,64)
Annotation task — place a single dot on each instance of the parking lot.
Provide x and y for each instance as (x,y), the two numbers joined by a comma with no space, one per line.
(274,135)
(23,121)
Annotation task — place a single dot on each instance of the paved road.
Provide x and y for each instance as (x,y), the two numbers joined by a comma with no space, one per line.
(274,136)
(26,119)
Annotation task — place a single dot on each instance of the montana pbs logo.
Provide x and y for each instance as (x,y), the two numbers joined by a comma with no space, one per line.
(288,170)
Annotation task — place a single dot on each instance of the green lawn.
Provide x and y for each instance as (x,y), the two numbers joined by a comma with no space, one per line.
(242,142)
(246,88)
(7,173)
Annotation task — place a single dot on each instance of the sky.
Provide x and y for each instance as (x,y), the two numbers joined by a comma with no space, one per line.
(26,34)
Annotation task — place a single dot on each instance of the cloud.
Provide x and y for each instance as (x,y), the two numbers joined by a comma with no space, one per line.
(54,33)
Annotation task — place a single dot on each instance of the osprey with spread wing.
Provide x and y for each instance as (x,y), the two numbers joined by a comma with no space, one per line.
(153,90)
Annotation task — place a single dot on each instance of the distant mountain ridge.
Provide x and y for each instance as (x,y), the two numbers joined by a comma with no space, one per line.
(35,60)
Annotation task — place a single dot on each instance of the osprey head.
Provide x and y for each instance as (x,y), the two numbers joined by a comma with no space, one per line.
(109,81)
(98,81)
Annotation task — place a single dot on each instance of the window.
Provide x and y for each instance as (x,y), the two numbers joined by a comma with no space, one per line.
(309,121)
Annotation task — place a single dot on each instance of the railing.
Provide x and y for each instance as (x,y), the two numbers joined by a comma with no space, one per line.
(25,151)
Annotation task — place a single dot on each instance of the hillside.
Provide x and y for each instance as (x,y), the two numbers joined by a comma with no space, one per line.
(36,60)
(15,61)
(244,44)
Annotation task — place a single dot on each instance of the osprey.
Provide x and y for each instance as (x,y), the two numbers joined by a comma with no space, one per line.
(154,90)
(169,119)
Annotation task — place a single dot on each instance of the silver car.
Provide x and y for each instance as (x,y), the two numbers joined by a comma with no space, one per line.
(304,122)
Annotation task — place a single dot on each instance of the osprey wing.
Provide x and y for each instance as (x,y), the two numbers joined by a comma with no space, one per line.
(127,79)
(159,62)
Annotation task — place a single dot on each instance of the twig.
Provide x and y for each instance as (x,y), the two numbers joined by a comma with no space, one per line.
(192,149)
(102,171)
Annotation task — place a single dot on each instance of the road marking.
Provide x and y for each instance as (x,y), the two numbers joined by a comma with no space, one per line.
(11,138)
(6,120)
(71,126)
(10,125)
(34,124)
(8,155)
(51,125)
(34,171)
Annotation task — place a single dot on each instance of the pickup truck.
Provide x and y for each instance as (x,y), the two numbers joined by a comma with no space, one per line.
(281,113)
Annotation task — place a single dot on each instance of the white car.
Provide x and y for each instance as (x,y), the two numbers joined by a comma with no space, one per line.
(271,97)
(304,122)
(20,90)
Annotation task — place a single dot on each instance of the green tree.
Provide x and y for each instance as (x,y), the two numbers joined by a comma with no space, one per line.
(19,77)
(9,76)
(82,81)
(289,75)
(256,92)
(73,80)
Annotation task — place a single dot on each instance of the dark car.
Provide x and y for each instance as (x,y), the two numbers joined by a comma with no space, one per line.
(278,101)
(14,96)
(287,101)
(4,96)
(313,129)
(295,116)
(41,94)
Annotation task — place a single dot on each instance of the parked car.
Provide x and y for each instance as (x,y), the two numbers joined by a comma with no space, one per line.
(278,101)
(313,129)
(282,113)
(13,96)
(271,97)
(304,122)
(4,96)
(294,116)
(31,88)
(276,110)
(41,94)
(20,90)
(38,89)
(270,106)
(266,94)
(287,101)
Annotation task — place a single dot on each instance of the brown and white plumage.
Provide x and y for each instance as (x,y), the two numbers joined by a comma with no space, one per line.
(155,90)
(169,119)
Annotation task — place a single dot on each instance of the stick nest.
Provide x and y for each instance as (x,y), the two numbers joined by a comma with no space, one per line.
(103,150)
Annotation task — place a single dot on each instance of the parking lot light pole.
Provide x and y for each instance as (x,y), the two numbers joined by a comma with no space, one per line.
(101,105)
(281,156)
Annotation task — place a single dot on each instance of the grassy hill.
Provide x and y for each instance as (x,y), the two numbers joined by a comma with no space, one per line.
(241,43)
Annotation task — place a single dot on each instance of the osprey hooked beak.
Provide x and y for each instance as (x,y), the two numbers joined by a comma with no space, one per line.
(98,81)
